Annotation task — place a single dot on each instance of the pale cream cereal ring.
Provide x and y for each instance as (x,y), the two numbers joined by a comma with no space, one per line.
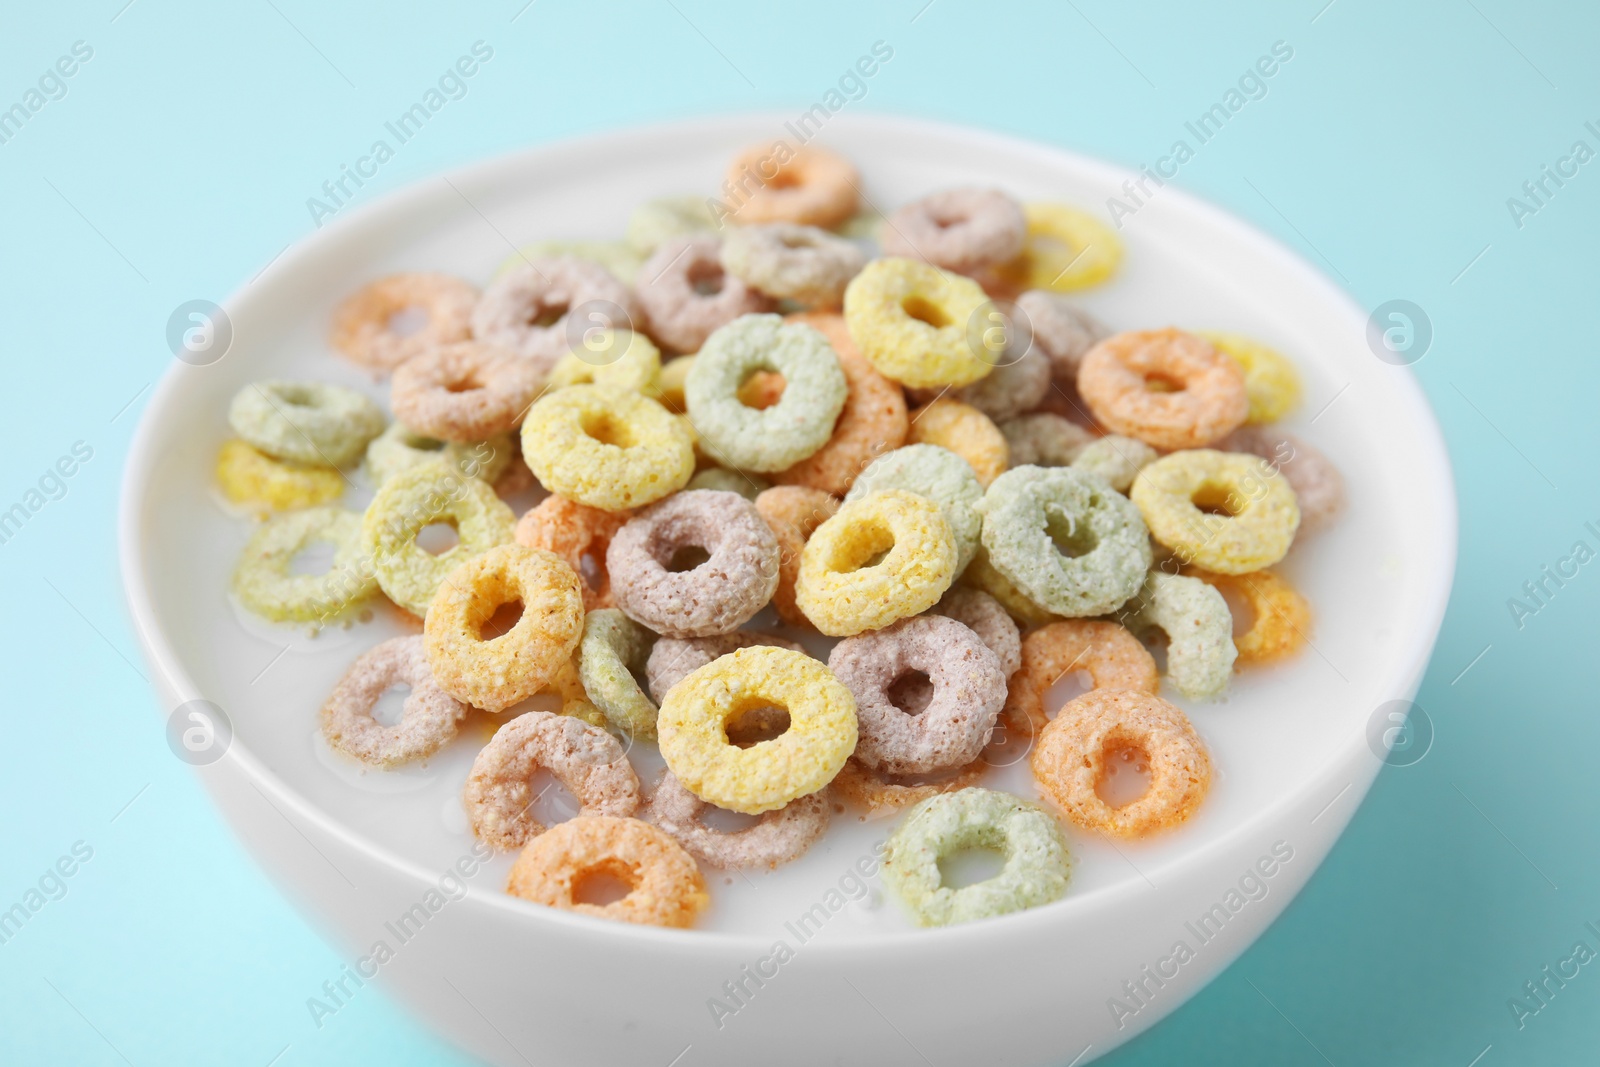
(696,713)
(1201,395)
(606,448)
(528,309)
(1116,459)
(655,222)
(793,512)
(496,673)
(429,718)
(779,836)
(963,230)
(967,432)
(724,480)
(369,326)
(499,794)
(672,659)
(1251,514)
(800,263)
(778,183)
(665,886)
(579,535)
(618,257)
(687,296)
(1318,487)
(463,392)
(1075,747)
(913,322)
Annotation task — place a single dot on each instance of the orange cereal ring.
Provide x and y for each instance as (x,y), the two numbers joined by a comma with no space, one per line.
(873,420)
(1075,747)
(809,186)
(881,794)
(1112,657)
(578,534)
(497,673)
(967,432)
(793,512)
(665,886)
(466,391)
(366,326)
(1282,616)
(1200,394)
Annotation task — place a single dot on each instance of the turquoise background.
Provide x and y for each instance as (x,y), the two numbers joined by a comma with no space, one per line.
(179,162)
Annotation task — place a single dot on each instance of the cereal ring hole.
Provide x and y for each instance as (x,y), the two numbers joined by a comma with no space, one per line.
(871,545)
(545,313)
(1071,685)
(390,707)
(590,569)
(970,865)
(1239,606)
(687,558)
(1124,773)
(437,538)
(1072,538)
(1212,499)
(924,310)
(724,821)
(607,882)
(408,321)
(911,692)
(761,389)
(706,278)
(552,801)
(607,429)
(315,558)
(754,723)
(502,620)
(1156,382)
(467,383)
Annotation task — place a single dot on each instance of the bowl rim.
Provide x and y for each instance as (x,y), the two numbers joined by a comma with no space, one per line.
(1437,574)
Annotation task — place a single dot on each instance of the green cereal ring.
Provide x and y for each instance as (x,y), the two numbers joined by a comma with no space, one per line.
(1115,458)
(772,438)
(618,359)
(262,581)
(655,222)
(614,648)
(748,486)
(1037,863)
(618,257)
(1199,629)
(397,449)
(941,476)
(911,320)
(1069,542)
(1258,511)
(982,576)
(607,448)
(308,422)
(414,498)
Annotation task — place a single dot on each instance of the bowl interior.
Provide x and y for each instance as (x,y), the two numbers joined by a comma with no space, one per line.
(1377,579)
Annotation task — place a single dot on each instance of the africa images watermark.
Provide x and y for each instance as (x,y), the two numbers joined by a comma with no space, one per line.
(50,487)
(1540,590)
(50,886)
(1537,192)
(1541,991)
(50,86)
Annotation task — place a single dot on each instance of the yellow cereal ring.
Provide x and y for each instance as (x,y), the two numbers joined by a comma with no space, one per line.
(1253,514)
(843,591)
(1065,249)
(256,480)
(1282,616)
(618,359)
(981,574)
(1270,380)
(912,322)
(766,776)
(607,448)
(674,372)
(967,432)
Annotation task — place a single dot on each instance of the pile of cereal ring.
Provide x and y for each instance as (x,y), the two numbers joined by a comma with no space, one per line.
(910,443)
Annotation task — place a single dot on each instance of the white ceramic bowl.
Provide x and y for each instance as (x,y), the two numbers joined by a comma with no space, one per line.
(515,983)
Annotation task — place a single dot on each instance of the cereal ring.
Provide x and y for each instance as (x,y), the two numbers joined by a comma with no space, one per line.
(1037,863)
(256,479)
(1111,656)
(615,650)
(616,359)
(369,327)
(398,448)
(968,689)
(618,257)
(1073,750)
(1065,539)
(579,535)
(1044,440)
(843,592)
(527,308)
(674,373)
(1116,459)
(792,262)
(1199,629)
(655,222)
(696,712)
(986,617)
(496,673)
(665,886)
(941,476)
(872,421)
(686,295)
(792,512)
(306,422)
(773,438)
(1254,518)
(498,794)
(880,794)
(807,185)
(1065,249)
(672,659)
(463,392)
(1061,331)
(429,717)
(1281,616)
(1270,380)
(1015,385)
(262,580)
(567,686)
(780,835)
(963,230)
(723,480)
(967,432)
(429,493)
(718,595)
(1206,396)
(911,321)
(607,449)
(1318,488)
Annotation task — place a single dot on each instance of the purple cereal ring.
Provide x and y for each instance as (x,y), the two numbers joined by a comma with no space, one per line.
(428,719)
(963,230)
(1017,384)
(719,595)
(672,659)
(777,837)
(986,617)
(687,295)
(1317,484)
(969,688)
(1060,331)
(527,308)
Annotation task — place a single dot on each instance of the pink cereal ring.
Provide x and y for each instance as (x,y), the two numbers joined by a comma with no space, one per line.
(1317,484)
(467,391)
(964,230)
(1200,395)
(527,308)
(776,837)
(368,327)
(776,182)
(687,295)
(672,659)
(429,718)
